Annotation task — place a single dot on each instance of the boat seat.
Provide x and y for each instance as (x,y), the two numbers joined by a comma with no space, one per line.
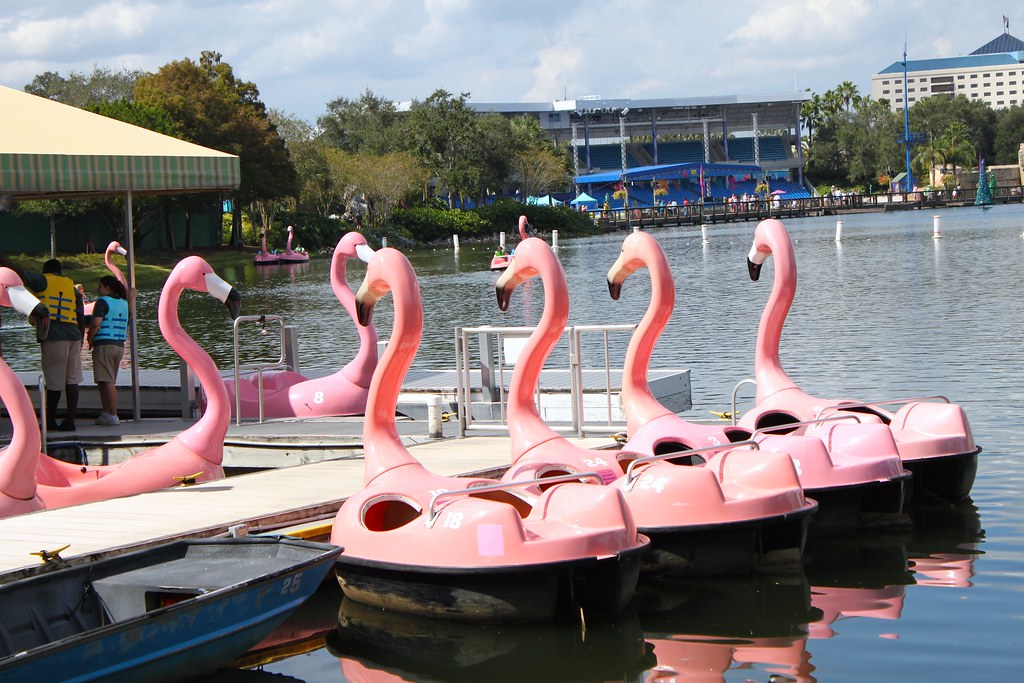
(131,593)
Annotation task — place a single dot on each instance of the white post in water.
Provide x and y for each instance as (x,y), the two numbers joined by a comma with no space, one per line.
(501,240)
(554,240)
(704,233)
(455,241)
(383,242)
(936,231)
(839,231)
(636,228)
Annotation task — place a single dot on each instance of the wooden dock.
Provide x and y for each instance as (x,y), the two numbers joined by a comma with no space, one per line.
(263,501)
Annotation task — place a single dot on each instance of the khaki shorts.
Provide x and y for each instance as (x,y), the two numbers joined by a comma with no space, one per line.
(62,363)
(105,360)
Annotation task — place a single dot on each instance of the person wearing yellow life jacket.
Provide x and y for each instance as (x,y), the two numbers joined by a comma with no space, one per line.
(106,335)
(61,350)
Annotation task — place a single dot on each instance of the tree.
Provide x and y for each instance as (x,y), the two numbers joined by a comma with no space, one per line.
(442,132)
(540,170)
(368,124)
(1009,134)
(385,181)
(217,110)
(85,90)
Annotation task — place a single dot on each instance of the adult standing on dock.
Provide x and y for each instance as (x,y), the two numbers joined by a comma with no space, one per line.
(61,350)
(106,335)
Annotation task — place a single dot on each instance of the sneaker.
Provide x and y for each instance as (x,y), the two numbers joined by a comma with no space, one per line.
(107,420)
(67,426)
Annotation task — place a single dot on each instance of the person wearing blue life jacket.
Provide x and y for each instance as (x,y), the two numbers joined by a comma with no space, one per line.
(106,335)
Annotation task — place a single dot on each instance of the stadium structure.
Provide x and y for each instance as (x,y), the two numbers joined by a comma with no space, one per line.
(677,149)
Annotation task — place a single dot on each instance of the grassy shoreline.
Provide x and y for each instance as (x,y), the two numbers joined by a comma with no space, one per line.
(151,268)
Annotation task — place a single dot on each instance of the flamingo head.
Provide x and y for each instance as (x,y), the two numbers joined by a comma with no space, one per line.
(524,223)
(762,248)
(521,267)
(194,273)
(116,248)
(630,260)
(14,295)
(388,269)
(353,245)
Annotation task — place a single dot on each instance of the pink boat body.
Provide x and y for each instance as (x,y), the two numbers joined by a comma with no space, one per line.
(738,487)
(264,257)
(18,459)
(494,554)
(838,459)
(289,255)
(933,439)
(501,262)
(112,248)
(291,394)
(194,455)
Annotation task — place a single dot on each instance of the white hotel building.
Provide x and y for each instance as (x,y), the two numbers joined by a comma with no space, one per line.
(994,74)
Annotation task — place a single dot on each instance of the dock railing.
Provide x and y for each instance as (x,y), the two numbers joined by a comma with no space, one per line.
(494,366)
(258,367)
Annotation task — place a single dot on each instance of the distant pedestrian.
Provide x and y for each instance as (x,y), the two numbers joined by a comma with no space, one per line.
(107,333)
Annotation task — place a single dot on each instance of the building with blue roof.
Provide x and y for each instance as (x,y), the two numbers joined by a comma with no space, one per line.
(993,74)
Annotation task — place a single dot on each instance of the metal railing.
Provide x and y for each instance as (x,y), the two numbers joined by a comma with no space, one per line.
(259,368)
(493,369)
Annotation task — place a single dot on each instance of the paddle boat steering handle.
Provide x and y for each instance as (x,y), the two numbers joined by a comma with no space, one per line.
(631,475)
(433,512)
(891,401)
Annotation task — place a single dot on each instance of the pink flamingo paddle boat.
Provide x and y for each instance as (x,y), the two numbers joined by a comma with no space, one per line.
(853,490)
(192,456)
(744,509)
(290,394)
(292,256)
(463,547)
(112,248)
(17,472)
(932,435)
(264,257)
(500,261)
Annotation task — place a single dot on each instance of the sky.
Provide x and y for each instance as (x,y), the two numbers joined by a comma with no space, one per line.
(302,54)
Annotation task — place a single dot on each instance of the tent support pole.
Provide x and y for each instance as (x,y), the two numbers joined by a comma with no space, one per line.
(133,332)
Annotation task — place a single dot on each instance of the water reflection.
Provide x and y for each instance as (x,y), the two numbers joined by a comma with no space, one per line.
(374,645)
(702,630)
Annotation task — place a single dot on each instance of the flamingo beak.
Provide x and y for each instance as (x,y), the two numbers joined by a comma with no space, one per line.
(504,287)
(617,274)
(755,259)
(224,293)
(364,252)
(366,298)
(122,251)
(26,303)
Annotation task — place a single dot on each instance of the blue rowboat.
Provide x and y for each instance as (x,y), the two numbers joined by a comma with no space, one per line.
(174,611)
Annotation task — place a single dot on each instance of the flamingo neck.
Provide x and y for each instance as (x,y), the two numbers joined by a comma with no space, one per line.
(115,271)
(525,425)
(19,460)
(206,437)
(384,450)
(264,241)
(289,247)
(360,369)
(768,371)
(638,402)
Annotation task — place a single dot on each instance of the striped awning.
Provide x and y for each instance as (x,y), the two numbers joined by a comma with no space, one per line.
(48,149)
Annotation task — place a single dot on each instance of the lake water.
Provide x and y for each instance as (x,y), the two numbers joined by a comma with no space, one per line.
(887,312)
